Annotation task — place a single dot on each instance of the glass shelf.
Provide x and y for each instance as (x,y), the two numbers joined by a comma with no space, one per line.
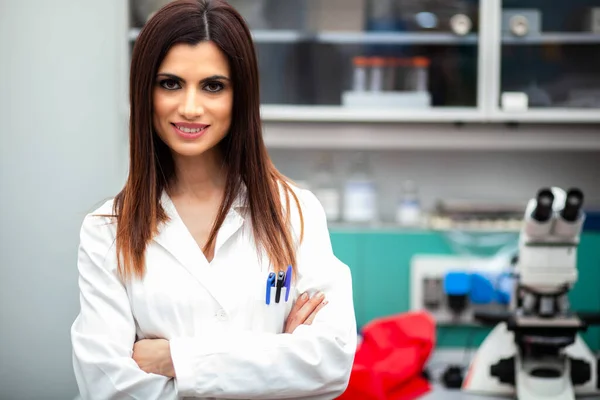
(395,38)
(386,38)
(549,115)
(554,38)
(340,114)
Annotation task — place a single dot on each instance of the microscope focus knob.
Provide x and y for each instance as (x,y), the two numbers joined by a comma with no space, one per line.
(581,371)
(504,370)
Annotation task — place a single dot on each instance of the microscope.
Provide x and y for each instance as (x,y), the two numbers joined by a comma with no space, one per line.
(534,351)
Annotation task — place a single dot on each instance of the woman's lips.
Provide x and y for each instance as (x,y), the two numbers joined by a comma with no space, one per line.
(189,131)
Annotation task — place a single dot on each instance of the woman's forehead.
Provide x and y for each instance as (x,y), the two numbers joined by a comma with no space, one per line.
(204,58)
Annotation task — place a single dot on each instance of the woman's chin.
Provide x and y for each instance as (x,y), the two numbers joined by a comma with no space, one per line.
(190,150)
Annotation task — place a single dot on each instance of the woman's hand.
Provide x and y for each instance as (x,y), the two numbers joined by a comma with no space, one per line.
(154,357)
(304,311)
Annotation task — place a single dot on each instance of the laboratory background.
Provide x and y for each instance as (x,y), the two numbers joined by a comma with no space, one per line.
(432,131)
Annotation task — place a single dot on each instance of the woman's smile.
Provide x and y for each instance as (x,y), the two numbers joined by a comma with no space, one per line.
(189,131)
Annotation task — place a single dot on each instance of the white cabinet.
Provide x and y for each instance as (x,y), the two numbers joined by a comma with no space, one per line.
(427,61)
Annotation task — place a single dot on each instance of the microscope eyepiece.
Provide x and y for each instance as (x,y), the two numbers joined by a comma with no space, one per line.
(543,208)
(573,204)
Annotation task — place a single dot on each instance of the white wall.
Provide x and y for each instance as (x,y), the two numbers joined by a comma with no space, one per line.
(62,150)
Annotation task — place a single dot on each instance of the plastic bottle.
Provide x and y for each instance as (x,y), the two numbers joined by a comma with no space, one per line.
(420,74)
(361,73)
(376,83)
(409,206)
(325,188)
(360,196)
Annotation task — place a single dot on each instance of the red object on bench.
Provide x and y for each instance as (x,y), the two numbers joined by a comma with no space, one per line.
(390,360)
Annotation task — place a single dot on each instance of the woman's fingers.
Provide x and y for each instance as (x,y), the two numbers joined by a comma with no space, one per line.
(300,302)
(312,316)
(302,310)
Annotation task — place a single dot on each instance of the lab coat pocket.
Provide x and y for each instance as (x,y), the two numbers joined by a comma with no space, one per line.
(272,314)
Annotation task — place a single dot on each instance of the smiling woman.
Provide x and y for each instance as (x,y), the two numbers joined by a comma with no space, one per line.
(210,274)
(193,99)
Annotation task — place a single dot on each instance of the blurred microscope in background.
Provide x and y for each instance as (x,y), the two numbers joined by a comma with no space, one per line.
(535,351)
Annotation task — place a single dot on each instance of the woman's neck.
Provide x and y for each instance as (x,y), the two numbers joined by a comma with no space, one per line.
(199,178)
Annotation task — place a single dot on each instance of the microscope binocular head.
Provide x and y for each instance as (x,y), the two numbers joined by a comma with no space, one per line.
(555,214)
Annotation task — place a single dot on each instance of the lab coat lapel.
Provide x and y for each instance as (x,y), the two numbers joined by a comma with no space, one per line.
(233,222)
(176,239)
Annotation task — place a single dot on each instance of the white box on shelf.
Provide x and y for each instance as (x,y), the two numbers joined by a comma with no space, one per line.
(386,99)
(514,101)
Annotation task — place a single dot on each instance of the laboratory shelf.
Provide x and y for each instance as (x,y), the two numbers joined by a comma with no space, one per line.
(293,36)
(554,38)
(548,115)
(299,113)
(259,36)
(430,136)
(395,38)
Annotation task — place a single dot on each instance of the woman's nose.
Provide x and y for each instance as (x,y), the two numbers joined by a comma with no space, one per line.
(191,107)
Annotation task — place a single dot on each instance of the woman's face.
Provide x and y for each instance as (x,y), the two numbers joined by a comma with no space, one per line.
(193,98)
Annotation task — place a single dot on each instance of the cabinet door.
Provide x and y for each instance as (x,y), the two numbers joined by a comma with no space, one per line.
(549,59)
(366,59)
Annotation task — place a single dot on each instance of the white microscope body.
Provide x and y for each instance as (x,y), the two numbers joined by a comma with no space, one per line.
(535,352)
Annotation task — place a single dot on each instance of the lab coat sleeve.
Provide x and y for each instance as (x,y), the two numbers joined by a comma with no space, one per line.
(314,361)
(103,333)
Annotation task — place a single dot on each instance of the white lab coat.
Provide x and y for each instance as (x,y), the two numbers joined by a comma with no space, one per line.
(226,343)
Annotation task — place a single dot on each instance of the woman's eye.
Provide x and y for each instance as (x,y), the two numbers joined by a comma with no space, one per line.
(169,84)
(214,87)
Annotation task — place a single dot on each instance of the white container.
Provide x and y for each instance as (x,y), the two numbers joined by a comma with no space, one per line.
(408,212)
(360,194)
(360,201)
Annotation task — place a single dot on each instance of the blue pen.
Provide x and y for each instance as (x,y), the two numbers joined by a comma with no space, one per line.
(288,282)
(270,284)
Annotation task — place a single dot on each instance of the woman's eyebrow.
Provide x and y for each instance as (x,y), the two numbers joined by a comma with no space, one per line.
(207,79)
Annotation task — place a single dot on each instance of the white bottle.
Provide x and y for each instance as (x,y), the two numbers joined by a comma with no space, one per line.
(361,73)
(408,212)
(360,196)
(325,188)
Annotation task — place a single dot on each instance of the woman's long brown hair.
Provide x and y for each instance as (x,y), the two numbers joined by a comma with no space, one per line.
(137,207)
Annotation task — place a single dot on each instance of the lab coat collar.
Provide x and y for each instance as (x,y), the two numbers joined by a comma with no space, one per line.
(174,237)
